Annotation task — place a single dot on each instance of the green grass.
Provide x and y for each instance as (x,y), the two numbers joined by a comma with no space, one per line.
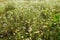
(30,20)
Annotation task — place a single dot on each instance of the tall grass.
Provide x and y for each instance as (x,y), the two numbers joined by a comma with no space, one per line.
(30,20)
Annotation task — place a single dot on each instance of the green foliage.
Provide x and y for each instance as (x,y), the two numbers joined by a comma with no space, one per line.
(29,21)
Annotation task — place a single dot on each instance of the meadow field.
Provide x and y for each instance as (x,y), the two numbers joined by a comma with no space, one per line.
(29,19)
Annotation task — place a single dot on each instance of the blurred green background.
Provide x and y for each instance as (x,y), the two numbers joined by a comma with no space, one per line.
(29,19)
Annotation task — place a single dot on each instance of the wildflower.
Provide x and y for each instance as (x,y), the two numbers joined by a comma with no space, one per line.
(4,25)
(46,23)
(44,26)
(26,21)
(36,32)
(26,33)
(13,33)
(39,39)
(16,30)
(22,36)
(27,39)
(30,29)
(1,36)
(30,34)
(42,33)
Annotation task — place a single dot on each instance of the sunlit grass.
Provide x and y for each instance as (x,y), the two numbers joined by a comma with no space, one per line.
(30,20)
